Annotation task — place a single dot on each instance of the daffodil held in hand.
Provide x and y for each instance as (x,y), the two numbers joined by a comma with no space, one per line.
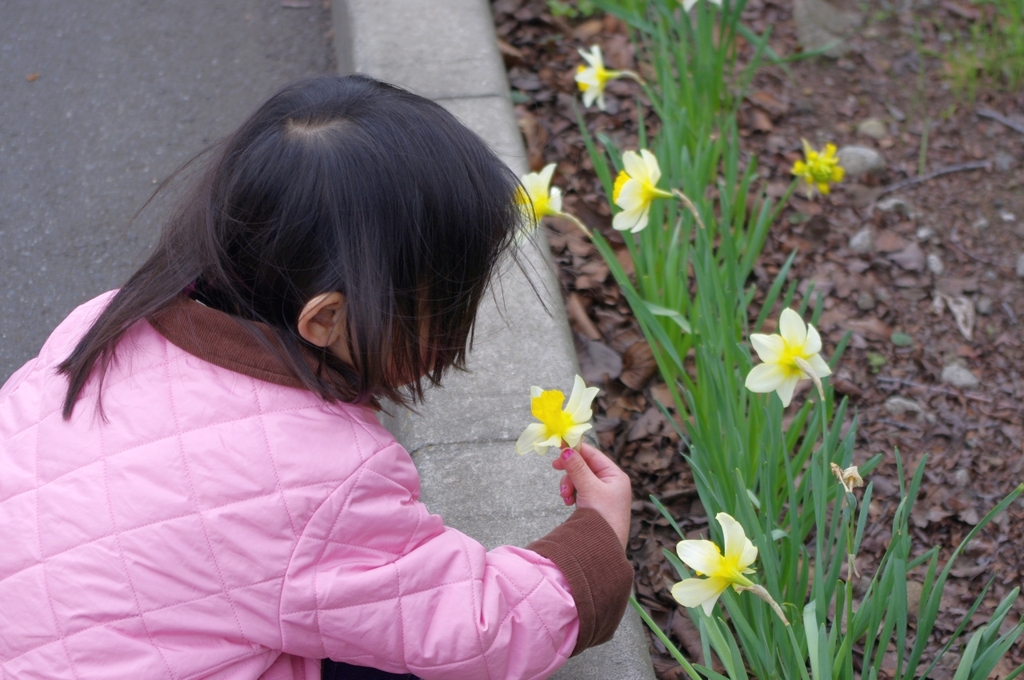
(819,169)
(720,570)
(788,358)
(557,424)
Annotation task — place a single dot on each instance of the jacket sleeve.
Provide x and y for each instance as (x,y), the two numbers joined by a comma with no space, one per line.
(376,580)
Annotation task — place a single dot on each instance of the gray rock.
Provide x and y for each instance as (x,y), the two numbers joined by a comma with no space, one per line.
(822,25)
(962,477)
(862,242)
(934,263)
(865,301)
(898,204)
(925,233)
(910,258)
(980,224)
(959,376)
(897,406)
(1003,161)
(859,160)
(984,305)
(873,128)
(1020,265)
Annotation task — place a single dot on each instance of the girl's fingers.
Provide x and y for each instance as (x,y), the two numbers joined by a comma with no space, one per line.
(602,466)
(567,490)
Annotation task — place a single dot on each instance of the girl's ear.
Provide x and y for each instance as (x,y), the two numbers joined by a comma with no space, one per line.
(321,321)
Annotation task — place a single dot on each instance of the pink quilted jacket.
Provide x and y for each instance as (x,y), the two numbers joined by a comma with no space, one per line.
(222,526)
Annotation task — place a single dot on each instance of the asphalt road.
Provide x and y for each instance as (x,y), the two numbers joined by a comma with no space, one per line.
(101,101)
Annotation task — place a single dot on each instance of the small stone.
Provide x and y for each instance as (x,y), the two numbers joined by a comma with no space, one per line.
(910,258)
(957,375)
(862,242)
(865,301)
(897,406)
(925,233)
(1020,265)
(962,477)
(874,128)
(984,305)
(1003,161)
(980,224)
(897,204)
(934,263)
(858,160)
(1007,216)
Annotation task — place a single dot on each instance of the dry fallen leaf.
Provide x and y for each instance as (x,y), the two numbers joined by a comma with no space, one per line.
(638,365)
(32,77)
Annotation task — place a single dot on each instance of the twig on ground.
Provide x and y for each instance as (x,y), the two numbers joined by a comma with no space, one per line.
(933,388)
(955,241)
(1009,312)
(911,181)
(896,423)
(995,115)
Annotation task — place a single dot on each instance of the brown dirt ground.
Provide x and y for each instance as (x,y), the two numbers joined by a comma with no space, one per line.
(973,222)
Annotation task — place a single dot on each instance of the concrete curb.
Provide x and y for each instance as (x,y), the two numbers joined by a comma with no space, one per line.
(462,440)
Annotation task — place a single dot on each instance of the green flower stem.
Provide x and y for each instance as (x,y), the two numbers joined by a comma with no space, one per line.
(673,650)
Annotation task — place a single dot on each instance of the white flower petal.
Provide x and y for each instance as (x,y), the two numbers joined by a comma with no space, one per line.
(785,390)
(635,166)
(765,378)
(819,365)
(737,545)
(631,195)
(546,174)
(575,433)
(555,200)
(700,555)
(593,57)
(590,95)
(536,391)
(651,163)
(769,348)
(578,387)
(699,592)
(630,217)
(531,436)
(792,328)
(688,5)
(812,345)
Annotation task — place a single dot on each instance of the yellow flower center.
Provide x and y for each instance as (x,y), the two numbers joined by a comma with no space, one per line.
(602,75)
(547,408)
(620,181)
(538,204)
(790,354)
(729,570)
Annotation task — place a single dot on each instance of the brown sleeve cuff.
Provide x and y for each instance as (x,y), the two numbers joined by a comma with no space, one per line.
(590,556)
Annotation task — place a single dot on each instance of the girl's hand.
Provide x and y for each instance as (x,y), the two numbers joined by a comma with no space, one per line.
(598,484)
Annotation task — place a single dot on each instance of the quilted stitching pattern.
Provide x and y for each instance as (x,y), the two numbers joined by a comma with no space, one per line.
(220,526)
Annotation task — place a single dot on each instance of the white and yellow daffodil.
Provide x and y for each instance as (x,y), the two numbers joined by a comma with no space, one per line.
(635,189)
(788,358)
(556,424)
(722,571)
(592,78)
(537,198)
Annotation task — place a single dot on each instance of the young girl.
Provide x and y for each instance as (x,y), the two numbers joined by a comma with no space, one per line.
(193,481)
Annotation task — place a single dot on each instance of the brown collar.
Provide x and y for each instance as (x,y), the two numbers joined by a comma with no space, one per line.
(223,340)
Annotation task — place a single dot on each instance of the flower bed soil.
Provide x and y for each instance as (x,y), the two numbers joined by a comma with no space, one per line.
(957,235)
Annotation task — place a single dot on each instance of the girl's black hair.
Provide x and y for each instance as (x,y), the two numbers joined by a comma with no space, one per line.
(334,184)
